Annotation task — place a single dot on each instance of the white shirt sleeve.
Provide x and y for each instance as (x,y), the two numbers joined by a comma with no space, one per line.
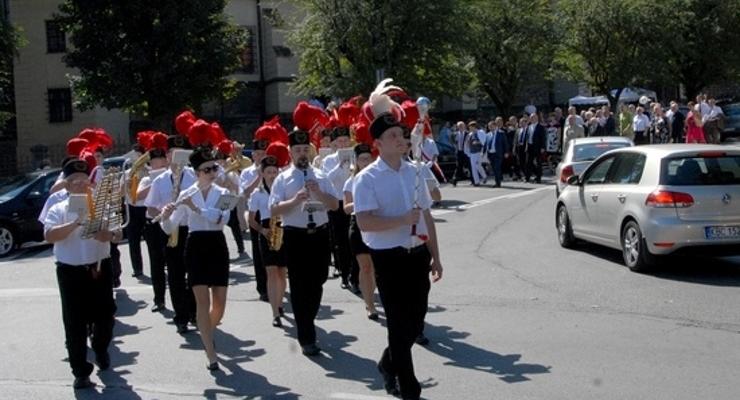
(364,194)
(277,193)
(54,217)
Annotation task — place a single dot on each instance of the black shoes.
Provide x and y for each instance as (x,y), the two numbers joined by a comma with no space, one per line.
(345,283)
(116,283)
(373,316)
(213,366)
(422,340)
(182,328)
(310,350)
(157,307)
(263,297)
(389,382)
(103,360)
(82,382)
(137,274)
(277,323)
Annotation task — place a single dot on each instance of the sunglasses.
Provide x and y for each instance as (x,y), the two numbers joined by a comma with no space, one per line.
(208,170)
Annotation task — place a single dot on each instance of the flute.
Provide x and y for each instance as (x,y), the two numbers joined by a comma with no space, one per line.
(186,195)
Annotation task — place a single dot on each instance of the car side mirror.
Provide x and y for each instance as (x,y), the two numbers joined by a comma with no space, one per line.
(574,180)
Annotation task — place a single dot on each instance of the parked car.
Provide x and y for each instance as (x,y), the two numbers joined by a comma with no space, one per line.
(732,121)
(581,153)
(650,201)
(447,159)
(21,199)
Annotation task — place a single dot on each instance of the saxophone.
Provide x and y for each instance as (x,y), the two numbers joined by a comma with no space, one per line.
(105,205)
(136,168)
(276,233)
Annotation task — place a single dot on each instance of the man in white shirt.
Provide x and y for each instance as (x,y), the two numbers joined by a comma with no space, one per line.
(712,122)
(336,168)
(162,193)
(392,211)
(85,278)
(640,123)
(301,196)
(474,149)
(249,180)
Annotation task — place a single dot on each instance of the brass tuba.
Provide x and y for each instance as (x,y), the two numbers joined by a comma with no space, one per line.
(134,172)
(105,205)
(237,162)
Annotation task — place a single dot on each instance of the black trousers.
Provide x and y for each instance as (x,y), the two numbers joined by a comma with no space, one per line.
(402,277)
(236,231)
(115,261)
(463,163)
(86,299)
(156,241)
(260,274)
(135,231)
(520,165)
(183,300)
(308,267)
(534,165)
(339,222)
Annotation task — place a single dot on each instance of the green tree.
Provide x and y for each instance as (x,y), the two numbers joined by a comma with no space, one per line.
(342,45)
(510,41)
(609,44)
(10,41)
(150,58)
(702,38)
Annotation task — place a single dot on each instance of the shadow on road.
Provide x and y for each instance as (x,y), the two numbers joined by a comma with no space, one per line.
(691,269)
(450,344)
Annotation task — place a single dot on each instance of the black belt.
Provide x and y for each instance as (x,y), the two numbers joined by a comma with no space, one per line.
(403,250)
(305,230)
(87,266)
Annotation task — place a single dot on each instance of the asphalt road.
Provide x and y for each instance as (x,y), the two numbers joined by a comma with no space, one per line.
(515,317)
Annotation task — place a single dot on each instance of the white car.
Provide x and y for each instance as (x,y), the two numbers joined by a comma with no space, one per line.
(581,152)
(649,201)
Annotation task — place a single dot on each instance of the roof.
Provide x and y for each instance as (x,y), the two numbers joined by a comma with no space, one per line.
(663,150)
(601,139)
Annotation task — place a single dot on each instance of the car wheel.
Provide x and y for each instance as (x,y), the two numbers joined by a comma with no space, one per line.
(636,255)
(565,231)
(7,240)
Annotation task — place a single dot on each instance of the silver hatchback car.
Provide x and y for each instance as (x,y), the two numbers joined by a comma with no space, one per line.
(649,201)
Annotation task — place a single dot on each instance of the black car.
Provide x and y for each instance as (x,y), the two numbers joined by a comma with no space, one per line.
(732,121)
(447,159)
(21,199)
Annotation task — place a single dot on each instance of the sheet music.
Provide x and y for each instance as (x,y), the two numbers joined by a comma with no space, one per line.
(227,201)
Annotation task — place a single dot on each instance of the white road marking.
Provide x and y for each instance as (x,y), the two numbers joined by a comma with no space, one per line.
(490,200)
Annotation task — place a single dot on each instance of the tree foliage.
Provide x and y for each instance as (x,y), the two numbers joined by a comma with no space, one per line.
(510,41)
(10,41)
(342,45)
(610,44)
(151,58)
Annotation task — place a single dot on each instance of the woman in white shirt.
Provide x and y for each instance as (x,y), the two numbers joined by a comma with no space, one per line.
(363,158)
(206,254)
(274,260)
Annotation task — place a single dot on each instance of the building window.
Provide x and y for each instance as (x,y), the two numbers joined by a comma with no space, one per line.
(247,56)
(55,39)
(60,105)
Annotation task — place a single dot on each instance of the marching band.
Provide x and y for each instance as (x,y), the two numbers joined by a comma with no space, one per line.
(339,186)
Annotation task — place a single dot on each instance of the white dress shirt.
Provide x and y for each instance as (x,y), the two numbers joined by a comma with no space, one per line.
(54,198)
(389,193)
(640,123)
(330,162)
(429,149)
(285,187)
(209,218)
(348,188)
(259,201)
(715,113)
(74,250)
(161,192)
(248,176)
(338,176)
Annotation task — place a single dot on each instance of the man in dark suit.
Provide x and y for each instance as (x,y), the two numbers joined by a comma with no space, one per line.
(535,148)
(461,135)
(497,146)
(676,119)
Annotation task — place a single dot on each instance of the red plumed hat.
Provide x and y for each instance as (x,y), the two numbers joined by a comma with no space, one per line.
(226,147)
(411,116)
(75,146)
(89,158)
(159,141)
(362,132)
(144,139)
(217,134)
(280,151)
(311,119)
(183,122)
(348,113)
(199,133)
(272,131)
(103,138)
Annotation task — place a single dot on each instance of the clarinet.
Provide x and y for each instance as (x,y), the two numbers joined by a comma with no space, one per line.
(311,226)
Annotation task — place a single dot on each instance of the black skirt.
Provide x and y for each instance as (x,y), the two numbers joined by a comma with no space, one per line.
(271,258)
(355,238)
(207,258)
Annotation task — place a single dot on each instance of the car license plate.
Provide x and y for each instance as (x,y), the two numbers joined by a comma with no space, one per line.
(722,232)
